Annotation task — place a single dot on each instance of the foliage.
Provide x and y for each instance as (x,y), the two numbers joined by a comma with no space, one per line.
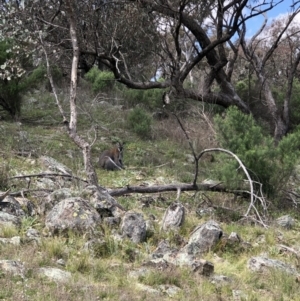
(280,94)
(267,164)
(100,80)
(140,122)
(151,98)
(11,88)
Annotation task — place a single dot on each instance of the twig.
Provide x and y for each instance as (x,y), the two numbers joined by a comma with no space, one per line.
(45,175)
(2,197)
(290,250)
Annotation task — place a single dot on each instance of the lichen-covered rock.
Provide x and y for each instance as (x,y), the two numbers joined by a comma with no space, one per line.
(7,219)
(162,249)
(13,267)
(133,226)
(260,263)
(203,238)
(285,221)
(12,206)
(54,198)
(55,274)
(16,240)
(72,214)
(174,216)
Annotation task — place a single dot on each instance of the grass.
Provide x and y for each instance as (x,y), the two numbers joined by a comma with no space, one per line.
(103,273)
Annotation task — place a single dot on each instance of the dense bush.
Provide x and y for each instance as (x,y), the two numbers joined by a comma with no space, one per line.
(266,163)
(100,80)
(140,122)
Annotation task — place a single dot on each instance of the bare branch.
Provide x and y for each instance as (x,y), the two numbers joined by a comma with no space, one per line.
(252,195)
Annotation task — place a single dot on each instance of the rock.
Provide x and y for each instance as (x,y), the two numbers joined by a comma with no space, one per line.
(32,235)
(189,158)
(72,214)
(112,221)
(54,198)
(203,238)
(13,267)
(7,219)
(285,221)
(137,273)
(46,183)
(158,264)
(61,262)
(220,280)
(27,205)
(169,290)
(234,237)
(54,165)
(258,264)
(203,267)
(11,205)
(105,205)
(55,274)
(162,249)
(183,259)
(148,289)
(133,226)
(201,212)
(174,216)
(239,295)
(16,240)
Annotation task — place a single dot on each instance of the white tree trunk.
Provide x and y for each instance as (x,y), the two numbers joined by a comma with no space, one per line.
(72,126)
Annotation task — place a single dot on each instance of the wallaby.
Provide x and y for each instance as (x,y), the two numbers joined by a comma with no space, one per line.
(112,159)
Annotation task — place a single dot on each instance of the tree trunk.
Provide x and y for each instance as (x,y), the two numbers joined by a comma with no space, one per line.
(281,125)
(72,127)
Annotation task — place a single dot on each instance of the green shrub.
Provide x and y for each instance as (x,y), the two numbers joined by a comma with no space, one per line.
(149,98)
(100,80)
(140,122)
(270,165)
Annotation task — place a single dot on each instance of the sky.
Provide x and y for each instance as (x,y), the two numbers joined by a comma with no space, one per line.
(283,8)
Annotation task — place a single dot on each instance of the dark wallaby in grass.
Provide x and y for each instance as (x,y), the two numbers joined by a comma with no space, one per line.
(112,159)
